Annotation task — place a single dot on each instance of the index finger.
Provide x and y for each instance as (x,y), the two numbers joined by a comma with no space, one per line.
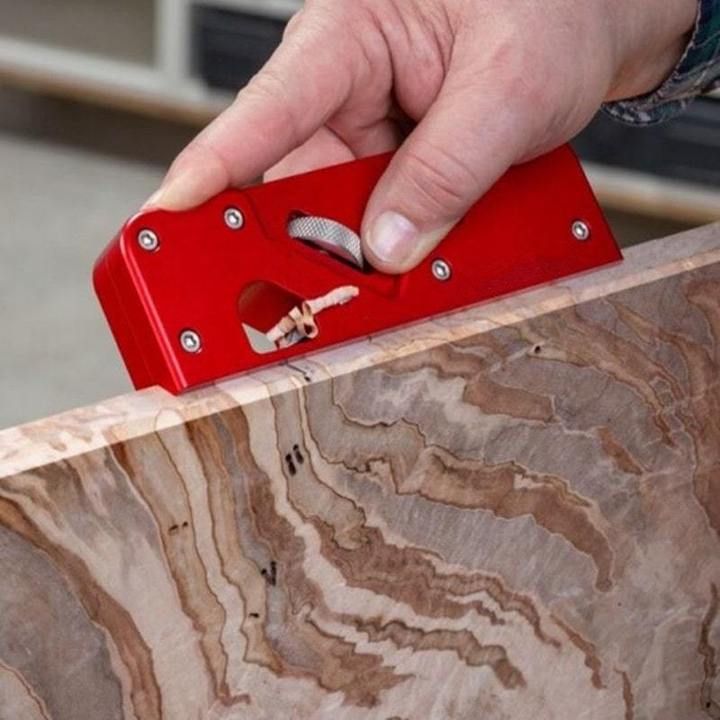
(306,81)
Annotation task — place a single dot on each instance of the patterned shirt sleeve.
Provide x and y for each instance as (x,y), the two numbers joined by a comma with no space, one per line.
(697,72)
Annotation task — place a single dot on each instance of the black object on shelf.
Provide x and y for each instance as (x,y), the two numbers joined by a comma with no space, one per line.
(230,46)
(685,148)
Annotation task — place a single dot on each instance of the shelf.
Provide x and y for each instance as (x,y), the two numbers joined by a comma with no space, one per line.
(645,194)
(118,30)
(117,83)
(282,9)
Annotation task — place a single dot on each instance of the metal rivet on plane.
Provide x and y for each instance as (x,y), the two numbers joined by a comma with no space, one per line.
(148,240)
(234,219)
(581,230)
(190,341)
(441,270)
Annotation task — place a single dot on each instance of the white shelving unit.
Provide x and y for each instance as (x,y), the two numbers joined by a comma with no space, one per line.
(154,77)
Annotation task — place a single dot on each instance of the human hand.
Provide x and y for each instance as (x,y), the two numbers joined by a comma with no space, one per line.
(464,88)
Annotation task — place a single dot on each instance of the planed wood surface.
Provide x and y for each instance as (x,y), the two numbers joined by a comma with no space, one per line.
(513,512)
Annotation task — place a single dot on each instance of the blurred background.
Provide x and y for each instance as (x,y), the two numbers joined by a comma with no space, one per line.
(98,96)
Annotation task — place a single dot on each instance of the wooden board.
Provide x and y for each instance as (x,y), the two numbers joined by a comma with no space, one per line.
(513,512)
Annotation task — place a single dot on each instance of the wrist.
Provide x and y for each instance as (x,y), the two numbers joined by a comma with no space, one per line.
(653,36)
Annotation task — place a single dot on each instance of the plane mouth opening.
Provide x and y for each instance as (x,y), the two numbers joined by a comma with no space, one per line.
(260,306)
(273,318)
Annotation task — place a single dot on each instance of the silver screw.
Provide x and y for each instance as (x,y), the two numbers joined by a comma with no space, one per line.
(190,341)
(441,270)
(234,219)
(148,240)
(581,230)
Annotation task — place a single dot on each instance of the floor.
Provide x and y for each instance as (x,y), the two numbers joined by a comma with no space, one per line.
(70,175)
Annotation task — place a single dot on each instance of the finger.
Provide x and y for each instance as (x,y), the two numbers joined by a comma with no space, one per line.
(304,83)
(467,140)
(324,148)
(342,140)
(370,133)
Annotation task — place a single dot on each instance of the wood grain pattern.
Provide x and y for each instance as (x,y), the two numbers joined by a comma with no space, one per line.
(510,513)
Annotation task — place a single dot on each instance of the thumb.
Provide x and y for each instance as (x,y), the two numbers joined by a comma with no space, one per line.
(462,146)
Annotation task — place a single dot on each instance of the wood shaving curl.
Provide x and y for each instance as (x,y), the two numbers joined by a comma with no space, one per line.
(300,323)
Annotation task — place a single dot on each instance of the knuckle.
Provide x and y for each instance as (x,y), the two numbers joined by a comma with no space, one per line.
(271,87)
(521,71)
(267,84)
(528,98)
(440,181)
